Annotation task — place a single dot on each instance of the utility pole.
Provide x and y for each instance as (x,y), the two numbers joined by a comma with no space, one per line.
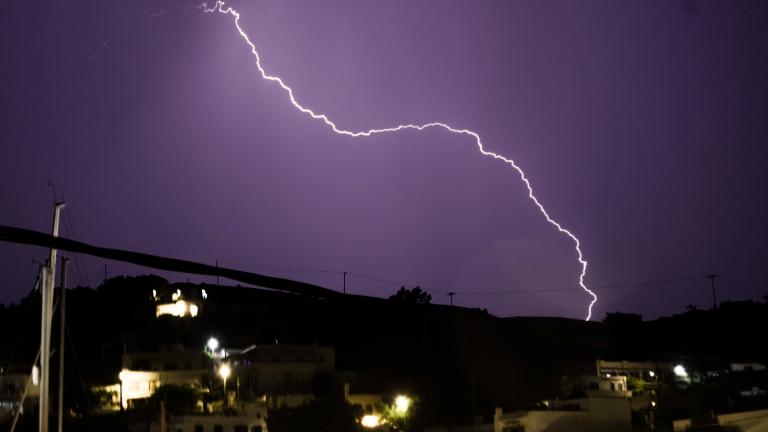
(46,294)
(217,272)
(451,294)
(712,278)
(344,286)
(62,310)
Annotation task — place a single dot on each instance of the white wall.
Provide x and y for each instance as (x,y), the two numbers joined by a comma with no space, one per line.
(597,415)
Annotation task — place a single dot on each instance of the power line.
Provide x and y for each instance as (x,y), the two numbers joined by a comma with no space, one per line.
(763,285)
(336,272)
(80,267)
(378,279)
(296,269)
(598,287)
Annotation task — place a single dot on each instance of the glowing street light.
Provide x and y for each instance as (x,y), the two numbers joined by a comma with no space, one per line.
(402,403)
(212,344)
(370,421)
(224,372)
(680,371)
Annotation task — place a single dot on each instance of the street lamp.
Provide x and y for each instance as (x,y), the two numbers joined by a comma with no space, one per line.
(370,421)
(680,371)
(224,372)
(212,344)
(402,403)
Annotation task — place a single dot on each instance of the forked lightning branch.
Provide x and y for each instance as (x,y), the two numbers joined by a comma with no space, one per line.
(229,11)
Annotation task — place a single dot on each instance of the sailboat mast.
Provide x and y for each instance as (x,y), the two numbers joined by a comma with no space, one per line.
(46,290)
(62,328)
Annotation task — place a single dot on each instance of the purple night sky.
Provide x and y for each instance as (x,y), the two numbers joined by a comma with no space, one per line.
(642,125)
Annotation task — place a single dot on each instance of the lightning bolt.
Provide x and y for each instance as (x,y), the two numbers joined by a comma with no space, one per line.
(229,11)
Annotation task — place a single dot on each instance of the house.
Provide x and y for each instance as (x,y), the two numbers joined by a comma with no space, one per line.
(747,421)
(178,301)
(596,385)
(600,404)
(590,414)
(143,373)
(650,372)
(282,374)
(252,419)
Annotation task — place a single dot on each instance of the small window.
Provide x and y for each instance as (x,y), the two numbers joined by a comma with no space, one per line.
(199,428)
(594,386)
(218,428)
(256,429)
(241,428)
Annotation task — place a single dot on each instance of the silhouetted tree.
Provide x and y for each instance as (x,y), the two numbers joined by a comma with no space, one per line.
(622,318)
(323,414)
(412,296)
(178,398)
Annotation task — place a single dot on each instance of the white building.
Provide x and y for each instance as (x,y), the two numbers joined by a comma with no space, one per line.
(252,419)
(178,303)
(647,371)
(749,421)
(594,385)
(142,384)
(143,373)
(604,406)
(590,414)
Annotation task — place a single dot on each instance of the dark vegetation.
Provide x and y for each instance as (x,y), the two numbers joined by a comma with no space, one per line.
(460,362)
